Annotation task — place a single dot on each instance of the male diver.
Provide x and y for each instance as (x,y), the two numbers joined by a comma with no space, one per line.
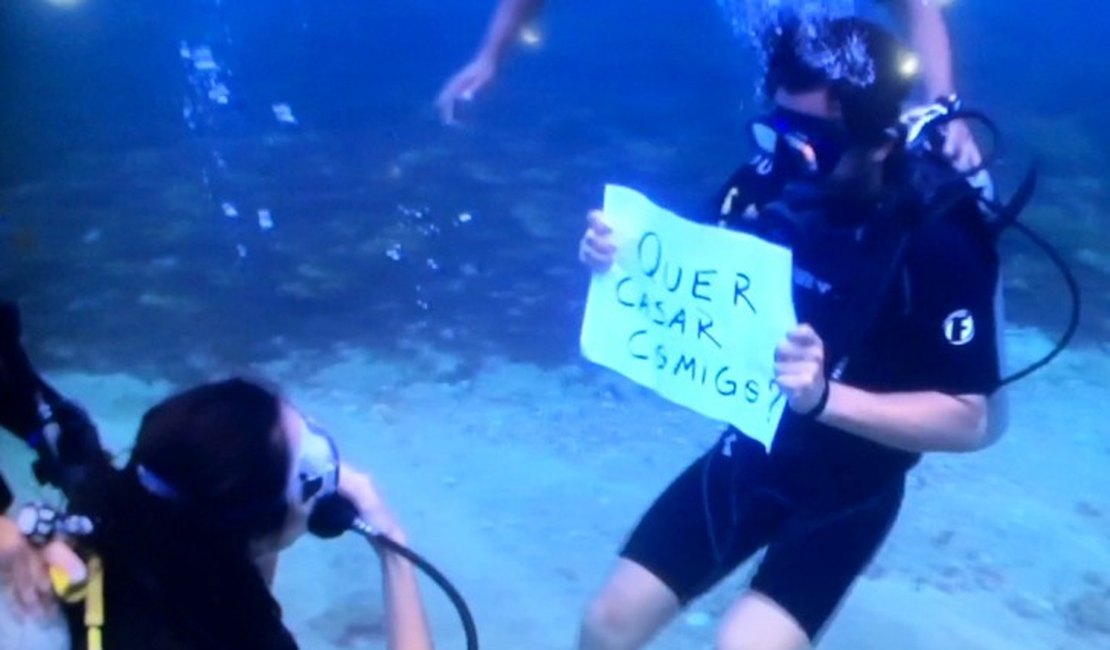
(923,18)
(895,356)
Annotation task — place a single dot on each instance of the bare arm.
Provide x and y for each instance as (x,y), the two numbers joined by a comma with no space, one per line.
(929,35)
(917,422)
(406,620)
(506,23)
(508,19)
(25,569)
(23,574)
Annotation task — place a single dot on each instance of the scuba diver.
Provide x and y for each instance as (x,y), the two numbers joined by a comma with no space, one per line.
(923,19)
(895,272)
(222,478)
(177,549)
(27,403)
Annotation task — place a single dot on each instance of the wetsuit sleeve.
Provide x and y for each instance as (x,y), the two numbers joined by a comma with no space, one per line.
(952,271)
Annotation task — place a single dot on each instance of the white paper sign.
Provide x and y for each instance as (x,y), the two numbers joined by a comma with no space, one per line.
(693,312)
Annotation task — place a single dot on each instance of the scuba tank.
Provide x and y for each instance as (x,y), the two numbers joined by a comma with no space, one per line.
(922,129)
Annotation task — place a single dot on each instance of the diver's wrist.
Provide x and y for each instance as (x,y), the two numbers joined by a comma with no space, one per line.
(947,97)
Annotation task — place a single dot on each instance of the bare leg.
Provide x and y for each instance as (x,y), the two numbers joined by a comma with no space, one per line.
(755,622)
(631,608)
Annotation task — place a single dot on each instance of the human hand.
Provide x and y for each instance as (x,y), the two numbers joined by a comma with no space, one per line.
(360,489)
(23,571)
(800,369)
(470,79)
(596,248)
(960,146)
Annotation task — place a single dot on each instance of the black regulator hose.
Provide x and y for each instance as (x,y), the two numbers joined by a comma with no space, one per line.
(334,515)
(1076,304)
(1009,214)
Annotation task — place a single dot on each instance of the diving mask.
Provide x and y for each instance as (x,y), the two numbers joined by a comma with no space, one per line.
(317,471)
(806,143)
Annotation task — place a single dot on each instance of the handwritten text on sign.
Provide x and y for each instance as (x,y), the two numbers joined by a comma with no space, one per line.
(693,312)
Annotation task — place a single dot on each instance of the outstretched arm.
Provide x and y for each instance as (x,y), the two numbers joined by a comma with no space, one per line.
(929,36)
(508,19)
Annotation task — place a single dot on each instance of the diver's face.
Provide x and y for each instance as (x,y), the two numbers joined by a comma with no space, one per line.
(295,428)
(312,473)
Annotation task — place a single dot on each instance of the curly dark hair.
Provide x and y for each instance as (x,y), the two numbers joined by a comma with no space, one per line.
(865,67)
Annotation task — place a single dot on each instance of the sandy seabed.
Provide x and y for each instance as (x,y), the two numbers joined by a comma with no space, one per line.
(521,482)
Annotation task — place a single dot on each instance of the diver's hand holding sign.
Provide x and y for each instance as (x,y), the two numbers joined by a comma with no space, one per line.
(597,248)
(799,358)
(800,370)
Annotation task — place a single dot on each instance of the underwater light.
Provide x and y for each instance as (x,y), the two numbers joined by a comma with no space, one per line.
(65,4)
(909,67)
(531,37)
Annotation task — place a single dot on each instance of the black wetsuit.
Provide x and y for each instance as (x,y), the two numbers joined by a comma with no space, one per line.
(823,500)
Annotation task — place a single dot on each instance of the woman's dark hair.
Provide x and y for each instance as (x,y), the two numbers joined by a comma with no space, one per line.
(178,568)
(865,66)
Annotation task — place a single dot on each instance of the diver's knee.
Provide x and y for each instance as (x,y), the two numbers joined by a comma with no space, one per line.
(629,611)
(756,622)
(608,624)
